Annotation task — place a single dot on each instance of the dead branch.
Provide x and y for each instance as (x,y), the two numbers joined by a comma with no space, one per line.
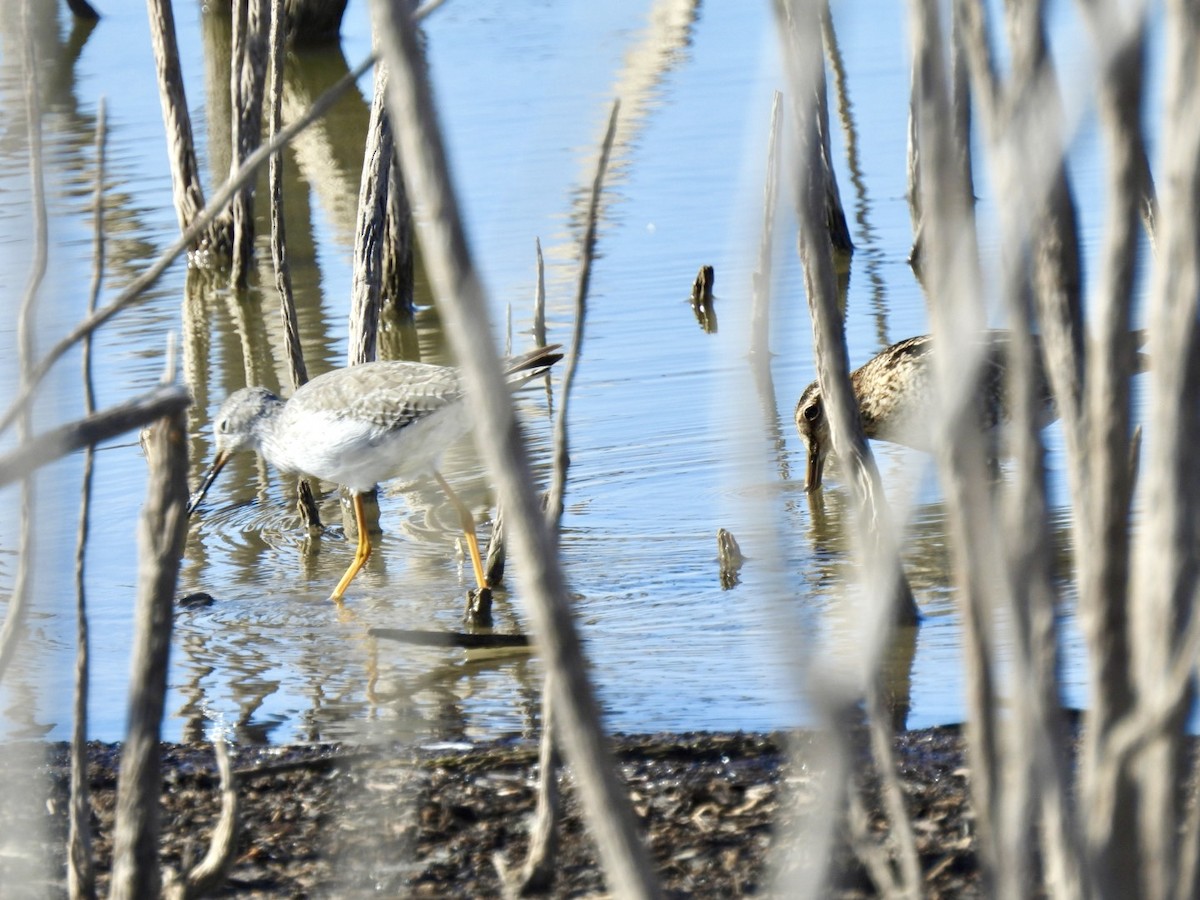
(161,533)
(92,430)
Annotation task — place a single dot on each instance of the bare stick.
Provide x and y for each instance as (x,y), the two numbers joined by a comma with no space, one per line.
(293,349)
(554,506)
(538,870)
(248,70)
(800,25)
(185,173)
(92,430)
(464,309)
(368,236)
(161,533)
(951,266)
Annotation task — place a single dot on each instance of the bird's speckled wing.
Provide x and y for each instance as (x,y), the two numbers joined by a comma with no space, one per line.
(388,395)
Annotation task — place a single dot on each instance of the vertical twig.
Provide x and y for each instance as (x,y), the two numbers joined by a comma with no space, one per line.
(81,876)
(206,876)
(538,870)
(293,350)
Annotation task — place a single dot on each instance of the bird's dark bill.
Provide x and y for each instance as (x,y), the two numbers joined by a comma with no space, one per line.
(209,477)
(816,467)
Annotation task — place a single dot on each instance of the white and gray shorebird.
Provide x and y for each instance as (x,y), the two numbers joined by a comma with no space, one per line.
(361,426)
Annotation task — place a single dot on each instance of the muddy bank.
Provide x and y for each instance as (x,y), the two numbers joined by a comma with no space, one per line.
(350,822)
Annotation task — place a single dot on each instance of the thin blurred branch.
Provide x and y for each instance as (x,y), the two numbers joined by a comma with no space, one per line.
(18,604)
(461,298)
(92,430)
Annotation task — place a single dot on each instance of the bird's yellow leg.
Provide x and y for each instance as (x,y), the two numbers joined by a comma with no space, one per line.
(361,554)
(468,526)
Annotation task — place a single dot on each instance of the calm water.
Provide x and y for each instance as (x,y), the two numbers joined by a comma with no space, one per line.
(670,438)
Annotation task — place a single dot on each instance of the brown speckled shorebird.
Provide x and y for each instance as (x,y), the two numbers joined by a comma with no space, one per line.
(361,426)
(896,402)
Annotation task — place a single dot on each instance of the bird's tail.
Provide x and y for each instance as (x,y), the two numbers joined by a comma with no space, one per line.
(519,369)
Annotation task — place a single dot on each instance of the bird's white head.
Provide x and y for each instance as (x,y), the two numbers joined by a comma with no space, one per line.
(240,420)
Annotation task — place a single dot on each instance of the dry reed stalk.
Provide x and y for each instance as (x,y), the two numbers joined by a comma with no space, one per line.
(18,605)
(1040,291)
(460,294)
(950,266)
(885,587)
(1103,539)
(1166,581)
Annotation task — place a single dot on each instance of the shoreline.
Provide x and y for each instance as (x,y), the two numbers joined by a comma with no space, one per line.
(340,820)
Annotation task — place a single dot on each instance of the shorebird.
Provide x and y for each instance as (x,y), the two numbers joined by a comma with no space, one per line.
(361,426)
(897,399)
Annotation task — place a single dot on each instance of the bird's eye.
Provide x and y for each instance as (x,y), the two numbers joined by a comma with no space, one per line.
(811,412)
(223,426)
